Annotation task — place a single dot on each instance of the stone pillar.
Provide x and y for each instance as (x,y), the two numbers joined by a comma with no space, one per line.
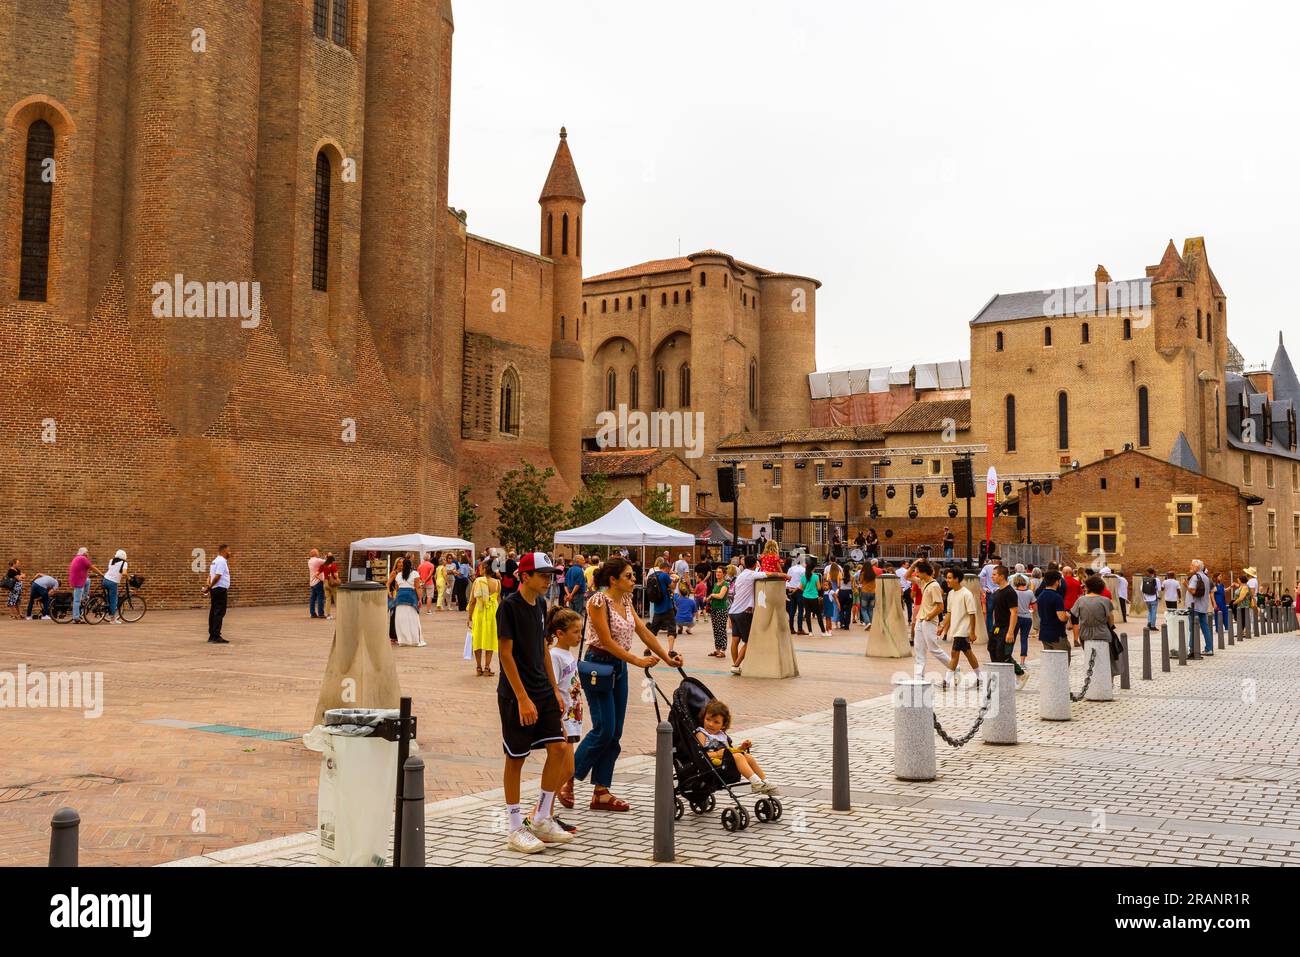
(1000,722)
(1099,688)
(361,672)
(1054,686)
(914,757)
(771,650)
(888,636)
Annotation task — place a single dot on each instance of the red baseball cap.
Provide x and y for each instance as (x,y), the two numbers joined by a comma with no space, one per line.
(536,562)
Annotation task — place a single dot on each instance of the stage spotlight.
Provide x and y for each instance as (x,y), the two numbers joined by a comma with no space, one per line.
(1006,488)
(952,509)
(836,463)
(801,464)
(862,491)
(920,490)
(826,492)
(943,490)
(913,511)
(889,491)
(885,463)
(767,465)
(1036,488)
(1047,487)
(874,513)
(835,492)
(918,461)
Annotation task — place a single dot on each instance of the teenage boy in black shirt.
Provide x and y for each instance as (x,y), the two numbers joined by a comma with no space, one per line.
(1002,640)
(530,705)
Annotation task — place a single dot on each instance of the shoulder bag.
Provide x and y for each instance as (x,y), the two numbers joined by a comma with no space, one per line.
(596,676)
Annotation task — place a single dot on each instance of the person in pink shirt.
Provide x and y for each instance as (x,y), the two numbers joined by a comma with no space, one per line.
(426,571)
(79,579)
(314,563)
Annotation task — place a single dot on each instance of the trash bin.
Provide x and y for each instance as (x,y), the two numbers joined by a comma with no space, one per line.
(358,775)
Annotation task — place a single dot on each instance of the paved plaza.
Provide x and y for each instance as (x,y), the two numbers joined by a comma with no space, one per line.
(1199,766)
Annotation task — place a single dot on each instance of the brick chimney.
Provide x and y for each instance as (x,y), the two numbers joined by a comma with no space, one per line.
(1102,279)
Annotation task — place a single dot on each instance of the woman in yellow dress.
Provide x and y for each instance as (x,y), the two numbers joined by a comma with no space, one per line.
(484,597)
(439,585)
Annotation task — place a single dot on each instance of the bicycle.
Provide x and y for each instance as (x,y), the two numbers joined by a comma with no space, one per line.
(130,607)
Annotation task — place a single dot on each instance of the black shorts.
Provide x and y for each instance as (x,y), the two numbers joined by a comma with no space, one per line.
(961,644)
(663,621)
(518,739)
(741,622)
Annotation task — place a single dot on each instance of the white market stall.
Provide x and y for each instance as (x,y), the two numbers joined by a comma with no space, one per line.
(408,543)
(625,524)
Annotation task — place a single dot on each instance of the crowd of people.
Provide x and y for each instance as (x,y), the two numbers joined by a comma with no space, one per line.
(44,587)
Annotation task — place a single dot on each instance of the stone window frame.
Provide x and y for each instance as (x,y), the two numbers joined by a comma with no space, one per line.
(36,211)
(1081,537)
(1295,530)
(1172,508)
(509,417)
(611,389)
(1250,526)
(1270,472)
(740,476)
(1247,469)
(777,476)
(1144,417)
(1270,525)
(321,215)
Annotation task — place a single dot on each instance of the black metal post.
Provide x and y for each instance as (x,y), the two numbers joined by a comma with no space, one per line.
(1123,662)
(665,804)
(735,509)
(970,528)
(64,827)
(1146,653)
(411,844)
(403,751)
(840,800)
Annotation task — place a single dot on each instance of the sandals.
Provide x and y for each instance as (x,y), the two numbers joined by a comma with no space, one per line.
(565,795)
(610,803)
(479,672)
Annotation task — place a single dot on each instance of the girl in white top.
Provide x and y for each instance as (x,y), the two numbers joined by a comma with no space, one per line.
(112,578)
(406,611)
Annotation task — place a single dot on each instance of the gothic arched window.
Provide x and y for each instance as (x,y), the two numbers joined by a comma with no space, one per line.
(320,236)
(1062,421)
(1011,423)
(611,389)
(1144,417)
(564,235)
(684,385)
(753,385)
(659,387)
(38,199)
(341,22)
(634,388)
(321,18)
(508,421)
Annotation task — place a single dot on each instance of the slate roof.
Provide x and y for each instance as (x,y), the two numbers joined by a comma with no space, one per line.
(1063,301)
(1285,383)
(1239,393)
(1183,456)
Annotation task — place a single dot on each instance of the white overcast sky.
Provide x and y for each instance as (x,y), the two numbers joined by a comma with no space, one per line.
(915,157)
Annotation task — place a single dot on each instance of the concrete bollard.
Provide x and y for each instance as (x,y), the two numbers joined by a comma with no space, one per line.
(1182,642)
(1000,723)
(64,840)
(413,813)
(1099,689)
(1195,638)
(840,800)
(1146,653)
(1164,646)
(1054,686)
(665,803)
(1243,625)
(914,756)
(1218,629)
(1232,629)
(1254,622)
(1124,679)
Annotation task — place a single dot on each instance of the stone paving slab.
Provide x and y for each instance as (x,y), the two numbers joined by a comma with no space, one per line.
(1193,769)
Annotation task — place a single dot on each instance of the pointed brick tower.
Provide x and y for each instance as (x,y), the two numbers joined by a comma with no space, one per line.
(562,201)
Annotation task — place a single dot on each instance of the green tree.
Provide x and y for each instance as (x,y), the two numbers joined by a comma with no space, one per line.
(467,516)
(527,518)
(658,505)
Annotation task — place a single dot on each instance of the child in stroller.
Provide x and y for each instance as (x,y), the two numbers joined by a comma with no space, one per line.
(732,761)
(697,777)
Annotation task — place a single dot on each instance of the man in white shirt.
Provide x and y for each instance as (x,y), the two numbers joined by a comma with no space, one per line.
(682,568)
(1172,591)
(987,588)
(793,595)
(1253,584)
(742,612)
(1123,597)
(218,587)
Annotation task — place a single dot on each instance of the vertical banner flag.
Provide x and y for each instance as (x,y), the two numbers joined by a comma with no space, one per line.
(991,495)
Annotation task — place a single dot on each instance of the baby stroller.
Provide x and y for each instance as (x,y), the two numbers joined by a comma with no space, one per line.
(696,778)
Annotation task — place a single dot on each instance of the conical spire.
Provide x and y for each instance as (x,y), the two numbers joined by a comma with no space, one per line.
(562,181)
(1285,383)
(1171,265)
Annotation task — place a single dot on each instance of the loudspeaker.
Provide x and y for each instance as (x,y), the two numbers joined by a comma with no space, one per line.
(963,478)
(726,484)
(778,526)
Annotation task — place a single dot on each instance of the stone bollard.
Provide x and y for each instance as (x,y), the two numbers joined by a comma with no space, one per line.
(840,798)
(1146,653)
(1218,628)
(412,840)
(1054,686)
(1125,682)
(914,757)
(1254,629)
(64,827)
(1164,646)
(665,803)
(1099,688)
(1195,637)
(1231,629)
(1182,642)
(1000,723)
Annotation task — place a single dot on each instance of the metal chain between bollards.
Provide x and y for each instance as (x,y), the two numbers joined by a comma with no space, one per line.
(1087,679)
(979,720)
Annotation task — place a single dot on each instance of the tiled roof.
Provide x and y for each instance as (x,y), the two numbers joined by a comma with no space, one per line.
(620,463)
(846,433)
(931,416)
(676,264)
(1171,265)
(562,181)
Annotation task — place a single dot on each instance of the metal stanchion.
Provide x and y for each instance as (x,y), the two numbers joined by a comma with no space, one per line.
(1195,636)
(64,829)
(1218,627)
(1182,642)
(665,805)
(412,842)
(1124,680)
(403,751)
(1164,646)
(840,799)
(1146,653)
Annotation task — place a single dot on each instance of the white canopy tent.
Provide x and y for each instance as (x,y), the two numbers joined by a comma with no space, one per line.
(625,524)
(410,543)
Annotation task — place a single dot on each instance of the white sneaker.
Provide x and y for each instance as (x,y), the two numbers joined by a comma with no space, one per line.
(45,617)
(763,787)
(735,669)
(1022,681)
(548,832)
(523,841)
(329,617)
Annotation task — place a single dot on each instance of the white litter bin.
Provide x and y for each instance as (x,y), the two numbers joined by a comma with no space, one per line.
(358,775)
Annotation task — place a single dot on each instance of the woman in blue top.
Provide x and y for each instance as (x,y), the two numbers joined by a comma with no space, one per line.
(1221,600)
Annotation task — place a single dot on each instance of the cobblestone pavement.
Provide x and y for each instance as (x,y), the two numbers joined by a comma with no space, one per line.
(150,788)
(1197,767)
